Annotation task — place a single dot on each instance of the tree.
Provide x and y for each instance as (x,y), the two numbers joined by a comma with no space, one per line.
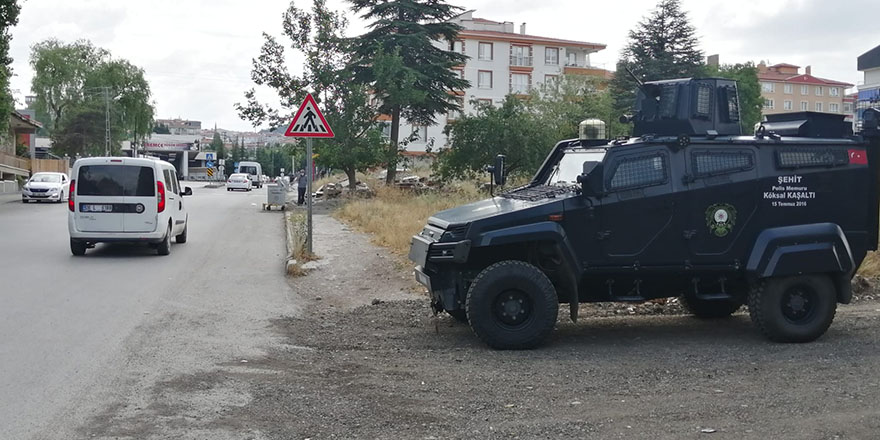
(9,10)
(74,81)
(398,61)
(748,89)
(217,146)
(318,35)
(662,46)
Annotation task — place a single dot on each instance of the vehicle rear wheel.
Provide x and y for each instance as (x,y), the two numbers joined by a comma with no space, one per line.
(512,305)
(77,248)
(709,309)
(182,237)
(164,247)
(228,189)
(793,309)
(24,200)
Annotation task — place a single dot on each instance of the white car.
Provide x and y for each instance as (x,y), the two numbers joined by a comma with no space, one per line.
(46,186)
(239,181)
(120,199)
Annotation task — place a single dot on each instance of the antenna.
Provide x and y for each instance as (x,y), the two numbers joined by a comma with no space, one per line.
(633,75)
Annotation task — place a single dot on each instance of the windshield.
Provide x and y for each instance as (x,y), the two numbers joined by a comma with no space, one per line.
(248,170)
(47,178)
(571,165)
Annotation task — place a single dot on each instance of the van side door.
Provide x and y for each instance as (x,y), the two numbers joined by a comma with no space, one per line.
(141,200)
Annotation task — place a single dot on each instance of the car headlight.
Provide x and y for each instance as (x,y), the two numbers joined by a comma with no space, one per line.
(53,190)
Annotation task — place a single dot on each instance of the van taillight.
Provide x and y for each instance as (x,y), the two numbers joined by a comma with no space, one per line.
(71,191)
(161,197)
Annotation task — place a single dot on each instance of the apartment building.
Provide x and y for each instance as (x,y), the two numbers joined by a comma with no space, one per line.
(501,62)
(181,127)
(786,90)
(869,90)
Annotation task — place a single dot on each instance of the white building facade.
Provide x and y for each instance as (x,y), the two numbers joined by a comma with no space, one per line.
(502,62)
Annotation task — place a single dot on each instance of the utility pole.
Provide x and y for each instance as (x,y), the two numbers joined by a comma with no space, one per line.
(106,121)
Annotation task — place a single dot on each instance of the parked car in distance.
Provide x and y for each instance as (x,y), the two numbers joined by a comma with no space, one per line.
(116,199)
(239,181)
(46,186)
(253,170)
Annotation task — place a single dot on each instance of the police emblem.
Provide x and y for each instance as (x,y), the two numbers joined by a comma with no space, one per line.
(720,218)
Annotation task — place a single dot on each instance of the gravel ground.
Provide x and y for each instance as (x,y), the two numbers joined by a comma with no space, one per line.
(368,360)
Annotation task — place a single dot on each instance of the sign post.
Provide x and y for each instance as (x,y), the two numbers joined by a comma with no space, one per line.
(305,125)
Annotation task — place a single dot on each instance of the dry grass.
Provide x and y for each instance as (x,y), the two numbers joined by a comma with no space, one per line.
(393,216)
(871,266)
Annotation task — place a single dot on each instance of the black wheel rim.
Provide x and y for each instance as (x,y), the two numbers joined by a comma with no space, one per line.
(799,304)
(512,308)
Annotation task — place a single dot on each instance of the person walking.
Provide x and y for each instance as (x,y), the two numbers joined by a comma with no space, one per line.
(302,183)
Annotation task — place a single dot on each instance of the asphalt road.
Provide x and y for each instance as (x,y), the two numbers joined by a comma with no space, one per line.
(77,332)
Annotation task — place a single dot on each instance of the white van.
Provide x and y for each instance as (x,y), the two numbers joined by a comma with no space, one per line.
(120,199)
(254,171)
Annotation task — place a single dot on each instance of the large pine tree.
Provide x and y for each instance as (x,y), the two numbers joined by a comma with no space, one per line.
(398,61)
(9,10)
(662,46)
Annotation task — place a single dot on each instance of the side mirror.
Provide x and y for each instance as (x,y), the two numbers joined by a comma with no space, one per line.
(591,178)
(187,191)
(497,170)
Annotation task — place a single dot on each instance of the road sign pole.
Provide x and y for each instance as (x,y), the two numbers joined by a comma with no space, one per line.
(309,192)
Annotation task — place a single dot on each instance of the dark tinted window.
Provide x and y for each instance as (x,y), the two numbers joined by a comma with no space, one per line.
(638,172)
(708,163)
(248,170)
(812,157)
(115,180)
(170,183)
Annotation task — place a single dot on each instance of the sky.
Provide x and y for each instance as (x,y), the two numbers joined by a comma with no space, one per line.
(197,53)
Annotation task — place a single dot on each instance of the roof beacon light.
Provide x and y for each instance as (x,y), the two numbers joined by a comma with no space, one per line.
(591,129)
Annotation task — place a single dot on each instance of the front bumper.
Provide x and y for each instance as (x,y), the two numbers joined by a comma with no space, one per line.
(423,251)
(27,195)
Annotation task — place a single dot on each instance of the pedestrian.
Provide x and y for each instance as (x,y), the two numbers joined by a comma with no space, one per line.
(301,186)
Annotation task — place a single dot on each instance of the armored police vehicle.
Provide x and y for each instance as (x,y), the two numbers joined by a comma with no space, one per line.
(687,207)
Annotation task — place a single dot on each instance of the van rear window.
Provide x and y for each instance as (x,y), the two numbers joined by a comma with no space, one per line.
(116,180)
(248,170)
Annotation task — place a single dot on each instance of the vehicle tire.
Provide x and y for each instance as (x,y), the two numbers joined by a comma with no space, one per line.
(512,305)
(24,200)
(459,315)
(61,197)
(181,238)
(77,248)
(709,309)
(793,309)
(164,247)
(228,189)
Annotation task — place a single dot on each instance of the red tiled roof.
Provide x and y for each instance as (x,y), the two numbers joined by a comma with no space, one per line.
(509,36)
(785,65)
(800,79)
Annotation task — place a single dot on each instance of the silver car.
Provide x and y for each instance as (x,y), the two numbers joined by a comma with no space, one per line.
(46,186)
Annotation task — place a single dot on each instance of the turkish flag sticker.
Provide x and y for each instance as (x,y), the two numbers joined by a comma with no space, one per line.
(858,157)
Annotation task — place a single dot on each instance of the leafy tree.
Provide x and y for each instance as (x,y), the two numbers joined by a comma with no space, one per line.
(318,35)
(748,88)
(79,77)
(9,10)
(161,129)
(82,131)
(398,61)
(662,46)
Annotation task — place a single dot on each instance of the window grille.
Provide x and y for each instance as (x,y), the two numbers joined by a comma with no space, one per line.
(712,163)
(639,172)
(818,157)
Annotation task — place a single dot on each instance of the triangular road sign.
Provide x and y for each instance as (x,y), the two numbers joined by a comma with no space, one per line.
(309,122)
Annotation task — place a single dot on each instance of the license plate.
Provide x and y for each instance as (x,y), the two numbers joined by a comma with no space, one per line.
(97,208)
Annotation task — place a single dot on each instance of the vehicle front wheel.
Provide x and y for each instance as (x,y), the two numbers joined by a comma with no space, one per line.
(182,237)
(164,247)
(709,309)
(77,248)
(512,305)
(459,315)
(793,309)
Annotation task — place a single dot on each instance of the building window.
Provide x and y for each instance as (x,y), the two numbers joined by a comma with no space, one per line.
(485,51)
(786,105)
(768,104)
(805,90)
(519,83)
(458,46)
(834,108)
(551,56)
(520,56)
(456,114)
(421,131)
(484,102)
(768,87)
(834,91)
(484,79)
(820,91)
(788,89)
(818,106)
(571,59)
(805,106)
(847,108)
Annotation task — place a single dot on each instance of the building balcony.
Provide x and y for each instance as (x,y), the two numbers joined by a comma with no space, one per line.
(520,61)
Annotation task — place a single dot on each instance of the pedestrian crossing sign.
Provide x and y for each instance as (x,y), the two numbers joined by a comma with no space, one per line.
(309,122)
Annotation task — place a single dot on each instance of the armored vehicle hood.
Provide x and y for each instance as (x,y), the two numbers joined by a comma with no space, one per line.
(488,208)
